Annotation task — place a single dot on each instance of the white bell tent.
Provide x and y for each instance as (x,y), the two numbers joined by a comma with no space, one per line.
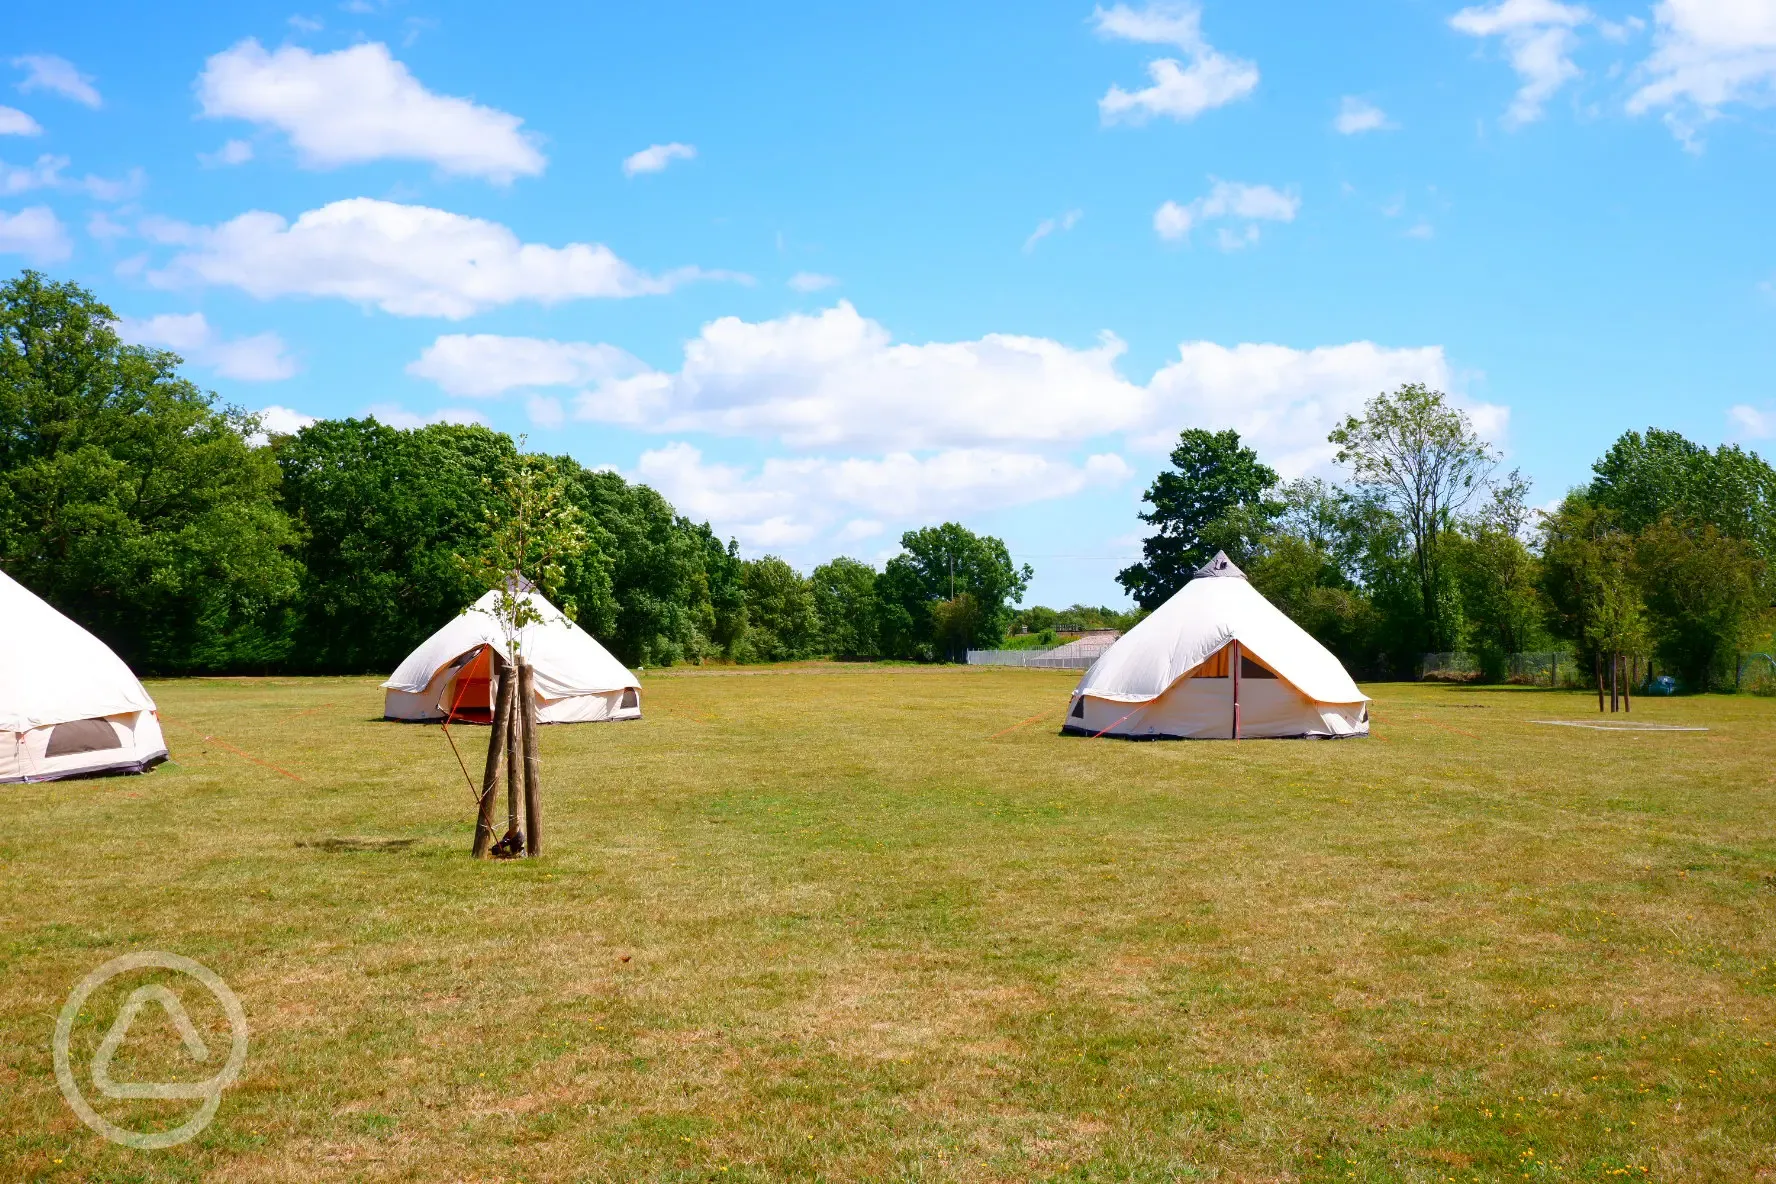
(448,676)
(1218,661)
(69,707)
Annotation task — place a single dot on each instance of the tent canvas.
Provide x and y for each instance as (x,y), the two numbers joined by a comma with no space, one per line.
(1174,675)
(577,680)
(69,707)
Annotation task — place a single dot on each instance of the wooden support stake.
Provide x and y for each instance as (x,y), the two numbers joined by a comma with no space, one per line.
(1628,685)
(1615,664)
(1597,662)
(514,751)
(533,764)
(1234,660)
(496,754)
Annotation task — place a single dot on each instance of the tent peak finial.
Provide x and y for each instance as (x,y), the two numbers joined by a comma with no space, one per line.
(1219,567)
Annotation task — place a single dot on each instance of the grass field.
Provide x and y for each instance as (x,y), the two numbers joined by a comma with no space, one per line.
(838,923)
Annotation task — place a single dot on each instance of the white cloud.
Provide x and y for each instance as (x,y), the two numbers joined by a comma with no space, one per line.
(232,153)
(406,260)
(104,228)
(1359,115)
(1048,226)
(18,178)
(46,173)
(545,412)
(836,379)
(1421,230)
(278,421)
(105,189)
(1708,53)
(305,24)
(486,364)
(1284,401)
(46,71)
(360,104)
(812,281)
(655,158)
(396,416)
(1539,36)
(1230,200)
(1172,221)
(259,358)
(14,122)
(1210,79)
(1750,423)
(789,501)
(36,233)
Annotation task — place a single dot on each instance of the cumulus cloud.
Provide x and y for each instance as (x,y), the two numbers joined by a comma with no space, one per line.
(837,380)
(1048,226)
(786,502)
(1356,116)
(46,173)
(889,433)
(1750,423)
(14,122)
(1181,90)
(1284,401)
(812,281)
(1539,37)
(262,357)
(36,233)
(232,153)
(278,421)
(360,104)
(1233,201)
(404,259)
(486,364)
(1707,54)
(656,157)
(58,76)
(18,178)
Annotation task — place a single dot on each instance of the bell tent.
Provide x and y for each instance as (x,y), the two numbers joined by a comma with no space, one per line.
(448,676)
(1216,661)
(69,707)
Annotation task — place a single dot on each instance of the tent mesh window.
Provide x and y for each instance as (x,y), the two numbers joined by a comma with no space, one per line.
(1251,669)
(1079,708)
(82,735)
(630,698)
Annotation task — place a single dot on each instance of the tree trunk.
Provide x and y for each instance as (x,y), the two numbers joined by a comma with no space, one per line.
(1628,688)
(515,752)
(1597,661)
(1615,662)
(533,764)
(496,753)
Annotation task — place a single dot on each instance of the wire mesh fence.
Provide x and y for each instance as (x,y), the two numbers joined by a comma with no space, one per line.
(1449,667)
(1554,669)
(1075,655)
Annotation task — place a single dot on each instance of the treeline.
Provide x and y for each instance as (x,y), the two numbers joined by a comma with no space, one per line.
(170,528)
(1664,556)
(189,542)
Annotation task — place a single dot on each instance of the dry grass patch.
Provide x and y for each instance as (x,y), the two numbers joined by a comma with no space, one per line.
(834,922)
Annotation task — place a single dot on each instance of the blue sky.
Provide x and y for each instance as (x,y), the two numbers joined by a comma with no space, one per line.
(821,273)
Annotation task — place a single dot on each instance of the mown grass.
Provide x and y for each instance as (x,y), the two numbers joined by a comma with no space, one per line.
(836,923)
